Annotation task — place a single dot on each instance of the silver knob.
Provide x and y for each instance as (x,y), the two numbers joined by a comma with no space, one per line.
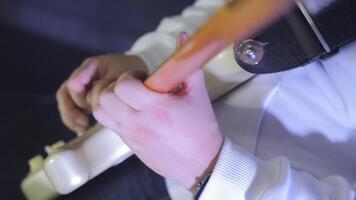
(249,52)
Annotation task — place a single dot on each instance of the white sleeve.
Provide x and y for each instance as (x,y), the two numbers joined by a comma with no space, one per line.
(240,175)
(157,46)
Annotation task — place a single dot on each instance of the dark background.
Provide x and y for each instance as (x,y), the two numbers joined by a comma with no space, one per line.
(41,42)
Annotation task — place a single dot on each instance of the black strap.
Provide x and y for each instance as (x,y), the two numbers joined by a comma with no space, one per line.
(293,41)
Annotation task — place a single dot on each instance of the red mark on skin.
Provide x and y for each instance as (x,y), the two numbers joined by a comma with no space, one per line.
(161,116)
(144,134)
(182,90)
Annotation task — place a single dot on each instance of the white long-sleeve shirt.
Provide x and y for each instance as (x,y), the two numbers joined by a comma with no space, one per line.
(289,135)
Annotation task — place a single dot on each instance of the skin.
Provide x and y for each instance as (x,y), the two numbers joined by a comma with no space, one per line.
(175,134)
(79,93)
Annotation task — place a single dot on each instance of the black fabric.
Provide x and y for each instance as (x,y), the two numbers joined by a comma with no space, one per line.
(96,25)
(337,23)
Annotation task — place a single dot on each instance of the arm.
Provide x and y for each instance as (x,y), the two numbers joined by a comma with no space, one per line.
(240,175)
(270,180)
(181,130)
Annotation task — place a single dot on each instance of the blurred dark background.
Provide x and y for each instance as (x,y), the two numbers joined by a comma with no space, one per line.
(41,43)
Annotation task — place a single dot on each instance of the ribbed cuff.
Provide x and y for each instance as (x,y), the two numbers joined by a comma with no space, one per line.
(234,174)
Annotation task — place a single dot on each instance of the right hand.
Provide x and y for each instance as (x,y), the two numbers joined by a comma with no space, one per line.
(78,95)
(165,130)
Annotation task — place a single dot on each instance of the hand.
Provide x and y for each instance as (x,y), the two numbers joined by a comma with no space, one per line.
(80,92)
(175,134)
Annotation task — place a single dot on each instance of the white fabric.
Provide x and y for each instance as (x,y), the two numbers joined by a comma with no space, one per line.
(289,135)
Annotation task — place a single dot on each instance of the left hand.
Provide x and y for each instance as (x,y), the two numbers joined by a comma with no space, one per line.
(80,92)
(175,134)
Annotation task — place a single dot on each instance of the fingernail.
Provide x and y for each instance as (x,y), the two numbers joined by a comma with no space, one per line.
(122,78)
(127,76)
(81,121)
(184,36)
(88,60)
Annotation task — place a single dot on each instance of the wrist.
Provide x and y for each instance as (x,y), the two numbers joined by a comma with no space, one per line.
(207,171)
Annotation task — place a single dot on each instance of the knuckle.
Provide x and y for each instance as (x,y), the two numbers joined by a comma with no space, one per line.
(74,88)
(102,96)
(124,77)
(71,85)
(106,88)
(122,82)
(91,60)
(60,93)
(60,108)
(117,87)
(88,60)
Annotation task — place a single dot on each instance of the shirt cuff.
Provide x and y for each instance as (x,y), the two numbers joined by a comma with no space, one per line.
(234,174)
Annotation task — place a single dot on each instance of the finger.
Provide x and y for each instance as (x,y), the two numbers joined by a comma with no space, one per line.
(133,92)
(73,117)
(195,82)
(97,88)
(104,118)
(120,111)
(82,65)
(181,39)
(80,81)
